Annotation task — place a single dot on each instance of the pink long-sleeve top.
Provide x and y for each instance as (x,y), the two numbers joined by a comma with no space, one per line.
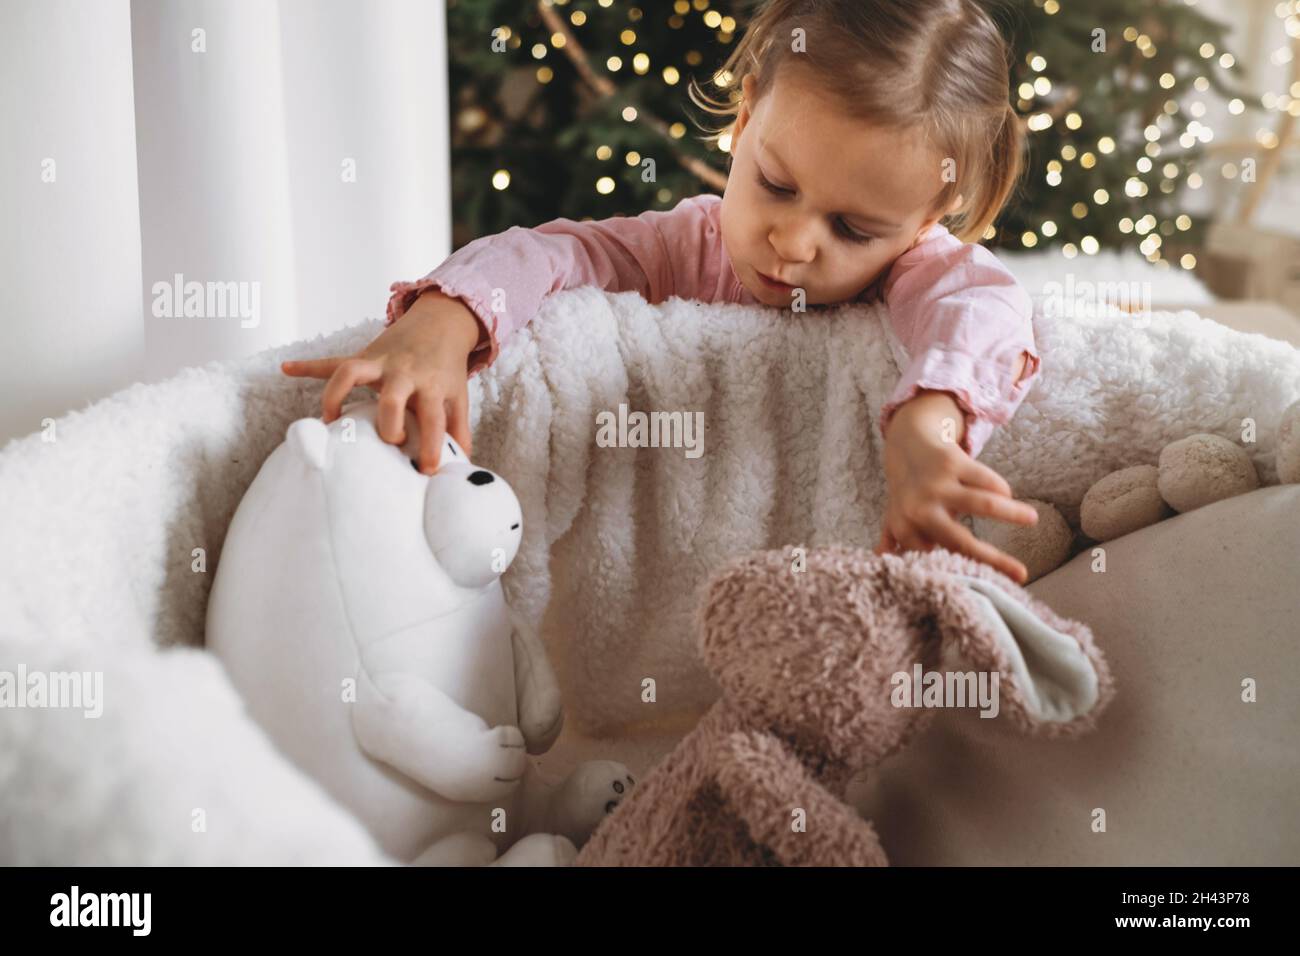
(961,317)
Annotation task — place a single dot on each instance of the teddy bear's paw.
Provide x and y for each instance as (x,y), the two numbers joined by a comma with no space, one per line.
(539,849)
(588,795)
(458,849)
(498,759)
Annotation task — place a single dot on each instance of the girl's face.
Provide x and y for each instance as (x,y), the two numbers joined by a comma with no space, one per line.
(818,200)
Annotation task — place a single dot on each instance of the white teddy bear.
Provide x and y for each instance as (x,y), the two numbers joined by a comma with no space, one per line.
(358,609)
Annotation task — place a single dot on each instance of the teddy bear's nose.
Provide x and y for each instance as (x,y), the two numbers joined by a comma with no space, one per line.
(481,477)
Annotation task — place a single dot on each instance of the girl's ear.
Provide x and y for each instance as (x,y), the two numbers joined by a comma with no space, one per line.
(742,117)
(930,223)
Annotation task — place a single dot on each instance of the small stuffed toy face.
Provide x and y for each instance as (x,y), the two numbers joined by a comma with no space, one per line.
(472,518)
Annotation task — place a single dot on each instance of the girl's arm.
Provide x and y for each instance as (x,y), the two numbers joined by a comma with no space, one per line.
(943,406)
(503,278)
(965,323)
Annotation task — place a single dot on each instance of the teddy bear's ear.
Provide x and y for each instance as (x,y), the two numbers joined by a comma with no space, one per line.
(309,440)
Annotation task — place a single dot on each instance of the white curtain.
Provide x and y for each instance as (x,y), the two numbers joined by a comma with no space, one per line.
(277,162)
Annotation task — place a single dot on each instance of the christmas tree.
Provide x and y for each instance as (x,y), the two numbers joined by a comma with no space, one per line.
(578,108)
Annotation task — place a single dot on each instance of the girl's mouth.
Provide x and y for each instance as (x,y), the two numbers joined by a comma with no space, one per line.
(773,284)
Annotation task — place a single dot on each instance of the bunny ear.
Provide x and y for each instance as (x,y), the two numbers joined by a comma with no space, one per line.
(1052,680)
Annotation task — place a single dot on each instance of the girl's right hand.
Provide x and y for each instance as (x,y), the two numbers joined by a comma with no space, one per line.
(420,362)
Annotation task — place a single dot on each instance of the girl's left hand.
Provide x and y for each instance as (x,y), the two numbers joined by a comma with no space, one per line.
(930,482)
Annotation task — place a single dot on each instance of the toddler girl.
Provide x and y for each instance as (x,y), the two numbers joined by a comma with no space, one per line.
(858,127)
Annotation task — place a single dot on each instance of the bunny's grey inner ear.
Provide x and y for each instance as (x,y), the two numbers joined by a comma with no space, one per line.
(1058,680)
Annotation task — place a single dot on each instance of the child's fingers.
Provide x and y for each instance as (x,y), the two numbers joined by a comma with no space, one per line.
(988,505)
(311,368)
(982,476)
(912,538)
(432,417)
(954,536)
(348,375)
(390,419)
(459,424)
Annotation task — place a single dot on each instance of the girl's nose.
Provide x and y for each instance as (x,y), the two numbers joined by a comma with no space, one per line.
(793,240)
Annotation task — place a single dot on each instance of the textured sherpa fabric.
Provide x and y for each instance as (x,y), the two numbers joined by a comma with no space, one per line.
(806,661)
(618,541)
(113,519)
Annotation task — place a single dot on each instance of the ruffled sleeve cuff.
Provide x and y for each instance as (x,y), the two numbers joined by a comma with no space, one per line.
(985,392)
(488,347)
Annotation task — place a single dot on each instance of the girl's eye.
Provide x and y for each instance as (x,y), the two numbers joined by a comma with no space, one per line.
(849,233)
(762,181)
(841,227)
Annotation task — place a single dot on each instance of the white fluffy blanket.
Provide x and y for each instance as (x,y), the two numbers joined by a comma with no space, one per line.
(113,520)
(791,455)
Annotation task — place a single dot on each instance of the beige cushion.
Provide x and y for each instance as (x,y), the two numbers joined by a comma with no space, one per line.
(1186,772)
(1262,318)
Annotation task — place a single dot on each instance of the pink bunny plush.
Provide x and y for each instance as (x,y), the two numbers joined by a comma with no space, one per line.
(820,655)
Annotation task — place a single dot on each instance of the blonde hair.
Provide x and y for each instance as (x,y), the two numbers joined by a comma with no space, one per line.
(937,65)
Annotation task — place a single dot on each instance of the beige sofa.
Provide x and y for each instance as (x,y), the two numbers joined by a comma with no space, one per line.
(1186,771)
